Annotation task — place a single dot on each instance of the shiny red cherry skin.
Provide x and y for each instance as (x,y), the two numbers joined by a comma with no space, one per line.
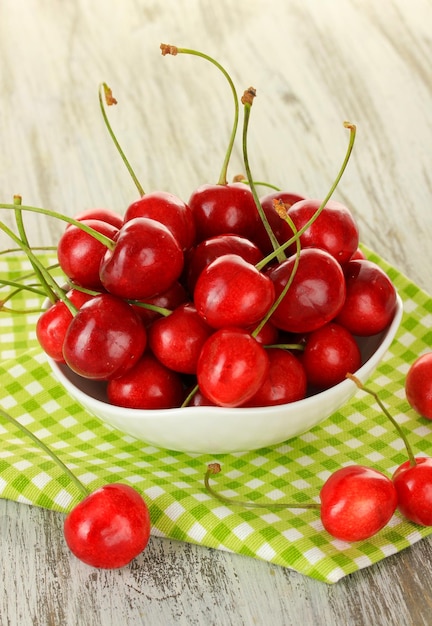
(231,367)
(222,209)
(371,299)
(148,385)
(232,292)
(357,502)
(413,485)
(316,294)
(168,209)
(330,352)
(53,323)
(418,385)
(279,226)
(109,528)
(80,254)
(104,215)
(210,249)
(177,340)
(334,230)
(285,382)
(104,339)
(145,261)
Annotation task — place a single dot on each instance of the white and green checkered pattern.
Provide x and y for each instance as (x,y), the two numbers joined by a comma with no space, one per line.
(172,482)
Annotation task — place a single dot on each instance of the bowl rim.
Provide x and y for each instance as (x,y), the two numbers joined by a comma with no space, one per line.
(191,411)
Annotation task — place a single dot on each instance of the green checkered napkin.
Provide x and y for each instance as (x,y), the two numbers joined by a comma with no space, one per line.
(172,482)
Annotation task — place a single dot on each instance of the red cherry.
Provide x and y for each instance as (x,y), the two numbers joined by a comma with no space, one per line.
(357,502)
(169,210)
(109,528)
(330,353)
(285,381)
(80,254)
(418,385)
(210,249)
(334,230)
(222,209)
(52,325)
(103,215)
(413,484)
(316,294)
(232,292)
(176,340)
(148,385)
(145,261)
(280,227)
(104,339)
(370,301)
(231,367)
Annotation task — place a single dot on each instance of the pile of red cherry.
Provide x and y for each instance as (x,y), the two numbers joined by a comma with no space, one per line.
(178,295)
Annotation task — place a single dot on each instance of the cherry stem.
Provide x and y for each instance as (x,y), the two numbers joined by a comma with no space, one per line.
(47,450)
(174,50)
(289,281)
(298,234)
(22,233)
(190,396)
(398,427)
(215,468)
(247,100)
(286,346)
(52,290)
(103,239)
(105,91)
(241,179)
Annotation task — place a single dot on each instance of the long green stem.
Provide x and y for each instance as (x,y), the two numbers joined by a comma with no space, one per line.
(289,242)
(105,91)
(247,102)
(47,450)
(103,239)
(214,468)
(289,282)
(386,412)
(174,50)
(23,235)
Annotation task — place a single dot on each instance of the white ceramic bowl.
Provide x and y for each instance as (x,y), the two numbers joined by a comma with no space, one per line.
(216,430)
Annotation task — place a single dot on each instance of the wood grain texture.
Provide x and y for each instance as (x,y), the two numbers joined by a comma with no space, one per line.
(314,65)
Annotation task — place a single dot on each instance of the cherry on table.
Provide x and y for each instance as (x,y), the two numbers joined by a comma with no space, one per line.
(413,484)
(418,385)
(357,502)
(109,527)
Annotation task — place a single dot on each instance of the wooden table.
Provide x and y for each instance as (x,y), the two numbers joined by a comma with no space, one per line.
(314,65)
